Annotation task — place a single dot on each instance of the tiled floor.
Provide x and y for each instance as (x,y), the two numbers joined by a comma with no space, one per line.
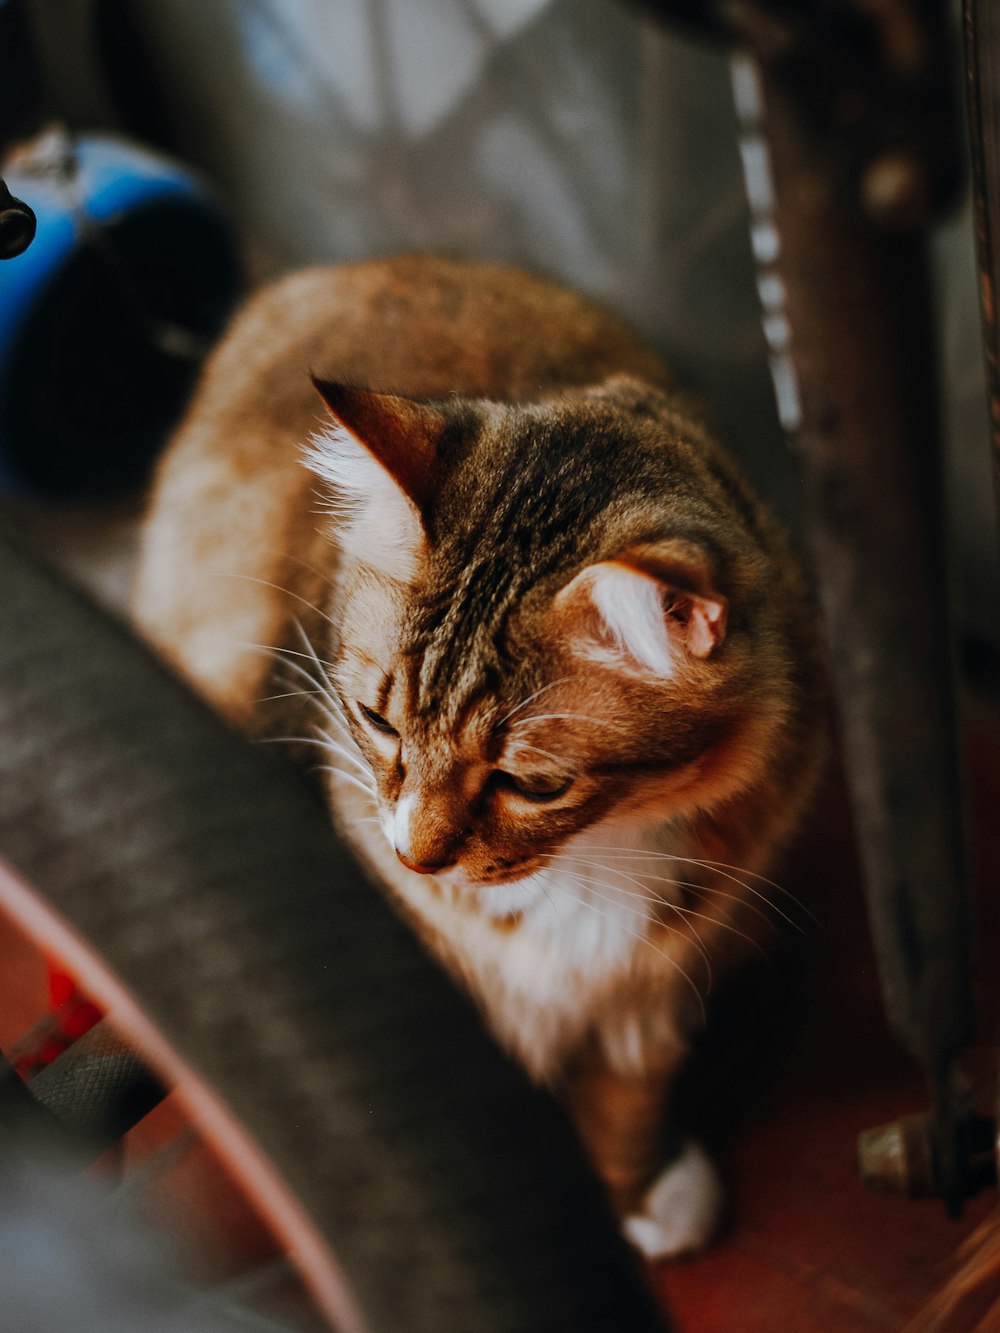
(807,1249)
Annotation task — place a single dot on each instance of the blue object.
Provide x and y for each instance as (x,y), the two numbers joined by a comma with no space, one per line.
(105,317)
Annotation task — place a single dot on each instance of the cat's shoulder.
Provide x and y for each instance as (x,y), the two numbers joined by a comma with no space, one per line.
(429,324)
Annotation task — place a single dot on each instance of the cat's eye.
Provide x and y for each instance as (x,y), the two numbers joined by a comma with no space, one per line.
(536,787)
(377,720)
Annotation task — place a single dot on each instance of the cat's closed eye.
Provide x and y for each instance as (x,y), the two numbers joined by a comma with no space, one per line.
(536,787)
(377,720)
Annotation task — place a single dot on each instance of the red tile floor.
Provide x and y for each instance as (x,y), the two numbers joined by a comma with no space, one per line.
(801,1062)
(806,1248)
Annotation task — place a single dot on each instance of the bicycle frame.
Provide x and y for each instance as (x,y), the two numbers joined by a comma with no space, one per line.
(849,139)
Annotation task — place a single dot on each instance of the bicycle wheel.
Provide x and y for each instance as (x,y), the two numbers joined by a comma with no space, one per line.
(341,1076)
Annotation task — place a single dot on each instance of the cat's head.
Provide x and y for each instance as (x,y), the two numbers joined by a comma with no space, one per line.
(548,614)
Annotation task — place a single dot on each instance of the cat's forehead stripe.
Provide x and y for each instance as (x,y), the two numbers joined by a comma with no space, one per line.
(384,693)
(525,509)
(408,676)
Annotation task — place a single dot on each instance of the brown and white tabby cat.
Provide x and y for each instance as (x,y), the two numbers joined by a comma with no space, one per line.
(561,662)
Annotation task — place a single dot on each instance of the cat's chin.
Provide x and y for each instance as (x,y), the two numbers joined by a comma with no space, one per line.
(493,900)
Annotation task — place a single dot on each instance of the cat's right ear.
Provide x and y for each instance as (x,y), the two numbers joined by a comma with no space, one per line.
(379,456)
(649,609)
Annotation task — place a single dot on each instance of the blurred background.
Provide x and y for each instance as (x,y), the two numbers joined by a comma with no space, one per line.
(577,137)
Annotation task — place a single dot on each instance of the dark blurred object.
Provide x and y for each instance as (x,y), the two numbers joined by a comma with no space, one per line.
(22,103)
(133,269)
(850,145)
(873,82)
(84,1100)
(94,63)
(105,321)
(21,110)
(18,224)
(902,1156)
(97,1089)
(77,1257)
(982,68)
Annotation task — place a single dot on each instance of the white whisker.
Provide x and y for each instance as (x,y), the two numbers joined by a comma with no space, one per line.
(583,902)
(572,717)
(307,643)
(761,879)
(288,740)
(266,583)
(328,707)
(676,907)
(747,888)
(638,911)
(642,875)
(282,652)
(289,694)
(616,901)
(720,867)
(326,703)
(319,663)
(532,697)
(324,743)
(321,742)
(304,674)
(538,750)
(347,777)
(336,748)
(705,861)
(550,900)
(322,575)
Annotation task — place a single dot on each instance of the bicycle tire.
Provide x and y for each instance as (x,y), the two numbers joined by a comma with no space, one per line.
(452,1193)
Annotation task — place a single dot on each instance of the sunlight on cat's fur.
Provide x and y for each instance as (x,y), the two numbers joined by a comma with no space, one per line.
(556,662)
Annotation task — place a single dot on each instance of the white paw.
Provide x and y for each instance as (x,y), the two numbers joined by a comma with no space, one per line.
(681,1207)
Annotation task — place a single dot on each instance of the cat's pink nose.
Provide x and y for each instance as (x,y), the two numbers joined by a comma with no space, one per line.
(419,867)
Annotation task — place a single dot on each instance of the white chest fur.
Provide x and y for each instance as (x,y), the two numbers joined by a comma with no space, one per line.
(548,959)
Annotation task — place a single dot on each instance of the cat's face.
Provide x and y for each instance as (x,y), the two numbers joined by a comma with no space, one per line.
(524,647)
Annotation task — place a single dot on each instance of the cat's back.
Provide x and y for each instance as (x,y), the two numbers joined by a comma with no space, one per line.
(424,326)
(232,508)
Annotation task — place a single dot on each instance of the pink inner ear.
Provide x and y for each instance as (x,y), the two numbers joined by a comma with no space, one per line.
(704,621)
(641,616)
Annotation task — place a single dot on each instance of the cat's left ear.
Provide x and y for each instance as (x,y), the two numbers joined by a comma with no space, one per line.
(377,437)
(379,454)
(650,608)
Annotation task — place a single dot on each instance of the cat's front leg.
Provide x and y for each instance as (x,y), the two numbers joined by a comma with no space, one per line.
(667,1194)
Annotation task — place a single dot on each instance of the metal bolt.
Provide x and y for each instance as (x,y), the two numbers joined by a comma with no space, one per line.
(898,1158)
(894,189)
(905,1157)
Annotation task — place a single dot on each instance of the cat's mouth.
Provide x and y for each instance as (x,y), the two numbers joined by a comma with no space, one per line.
(497,894)
(466,877)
